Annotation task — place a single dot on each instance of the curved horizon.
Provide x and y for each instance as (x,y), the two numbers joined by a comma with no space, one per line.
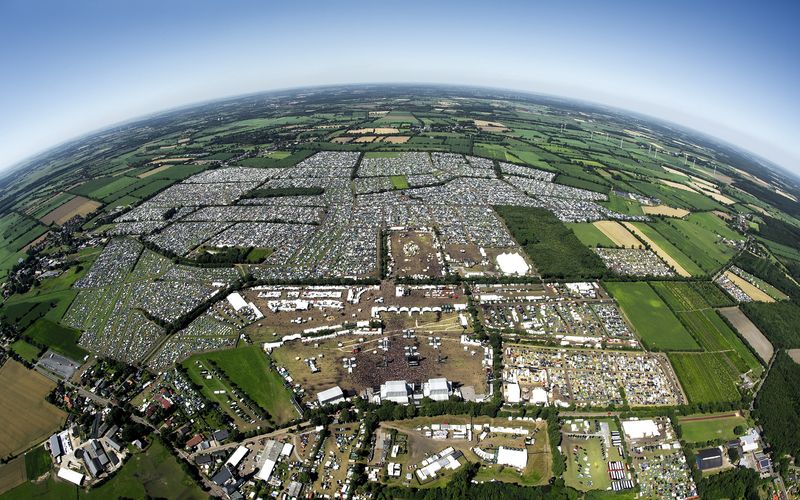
(725,70)
(27,161)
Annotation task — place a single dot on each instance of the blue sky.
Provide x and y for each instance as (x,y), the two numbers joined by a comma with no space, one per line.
(726,68)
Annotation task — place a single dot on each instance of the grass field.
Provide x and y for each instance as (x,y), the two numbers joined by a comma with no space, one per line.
(709,429)
(26,351)
(706,377)
(399,181)
(650,316)
(590,235)
(705,324)
(154,473)
(37,462)
(248,367)
(23,394)
(61,339)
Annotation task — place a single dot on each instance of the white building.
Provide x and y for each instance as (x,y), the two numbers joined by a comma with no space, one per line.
(330,396)
(237,456)
(396,391)
(513,393)
(438,389)
(70,475)
(512,456)
(639,429)
(749,441)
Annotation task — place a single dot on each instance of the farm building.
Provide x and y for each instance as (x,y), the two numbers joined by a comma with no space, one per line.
(330,396)
(749,441)
(70,475)
(237,456)
(709,458)
(55,446)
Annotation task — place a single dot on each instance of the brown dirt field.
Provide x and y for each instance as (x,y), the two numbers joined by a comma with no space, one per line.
(794,354)
(710,417)
(488,126)
(396,139)
(153,171)
(414,253)
(76,206)
(26,418)
(12,474)
(751,290)
(617,233)
(366,138)
(658,250)
(341,140)
(665,210)
(749,331)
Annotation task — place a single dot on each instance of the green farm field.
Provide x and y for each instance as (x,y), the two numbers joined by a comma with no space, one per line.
(589,235)
(706,377)
(61,339)
(705,427)
(651,318)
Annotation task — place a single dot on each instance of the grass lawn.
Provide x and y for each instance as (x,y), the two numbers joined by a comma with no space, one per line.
(26,351)
(248,367)
(61,339)
(399,181)
(37,462)
(590,235)
(671,250)
(706,377)
(650,316)
(700,431)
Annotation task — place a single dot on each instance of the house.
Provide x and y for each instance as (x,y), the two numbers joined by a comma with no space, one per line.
(194,441)
(220,435)
(710,458)
(749,442)
(330,396)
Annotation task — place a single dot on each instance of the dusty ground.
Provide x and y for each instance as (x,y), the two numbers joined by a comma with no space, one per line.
(414,254)
(795,355)
(154,171)
(749,331)
(396,139)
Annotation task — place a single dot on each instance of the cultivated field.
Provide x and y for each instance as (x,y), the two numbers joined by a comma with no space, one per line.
(23,394)
(706,377)
(751,290)
(650,316)
(665,210)
(617,233)
(657,248)
(12,474)
(74,207)
(749,331)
